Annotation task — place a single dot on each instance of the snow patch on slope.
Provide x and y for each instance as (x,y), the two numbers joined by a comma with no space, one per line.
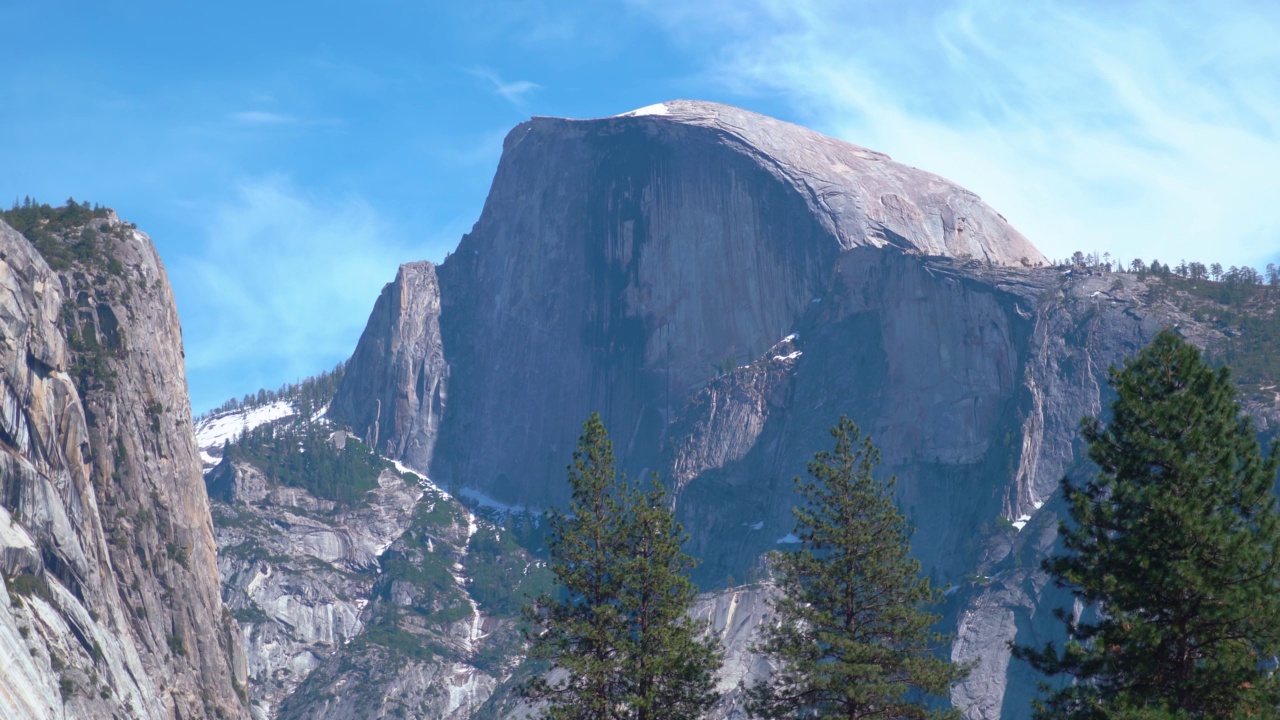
(497,506)
(424,482)
(212,432)
(655,109)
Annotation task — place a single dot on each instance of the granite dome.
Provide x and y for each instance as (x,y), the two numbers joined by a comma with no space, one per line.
(862,197)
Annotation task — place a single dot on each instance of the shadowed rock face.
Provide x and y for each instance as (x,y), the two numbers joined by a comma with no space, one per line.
(721,287)
(112,606)
(638,256)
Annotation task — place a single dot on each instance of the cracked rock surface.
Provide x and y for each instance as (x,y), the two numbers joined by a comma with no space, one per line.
(111,606)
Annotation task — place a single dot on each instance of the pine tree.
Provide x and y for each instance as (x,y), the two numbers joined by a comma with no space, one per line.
(669,668)
(1176,544)
(618,637)
(853,637)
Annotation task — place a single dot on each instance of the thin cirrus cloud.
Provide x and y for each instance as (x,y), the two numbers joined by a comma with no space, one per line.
(266,119)
(281,285)
(513,91)
(1138,129)
(261,117)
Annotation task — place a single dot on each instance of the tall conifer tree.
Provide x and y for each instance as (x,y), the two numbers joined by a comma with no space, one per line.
(618,637)
(853,638)
(1176,542)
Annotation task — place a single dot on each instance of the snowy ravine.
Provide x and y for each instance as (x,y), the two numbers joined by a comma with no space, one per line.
(464,690)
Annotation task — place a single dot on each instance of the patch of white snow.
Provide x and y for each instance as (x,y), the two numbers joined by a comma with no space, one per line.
(655,109)
(489,503)
(1021,522)
(788,539)
(212,432)
(757,525)
(424,482)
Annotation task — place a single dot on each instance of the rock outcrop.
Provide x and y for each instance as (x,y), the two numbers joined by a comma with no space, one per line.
(399,601)
(636,255)
(297,574)
(111,605)
(405,375)
(721,287)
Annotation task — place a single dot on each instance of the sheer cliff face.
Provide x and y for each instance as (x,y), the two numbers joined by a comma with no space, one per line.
(722,287)
(637,257)
(405,379)
(111,605)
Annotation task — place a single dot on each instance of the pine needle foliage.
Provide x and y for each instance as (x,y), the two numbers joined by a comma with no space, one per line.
(853,638)
(617,636)
(1176,542)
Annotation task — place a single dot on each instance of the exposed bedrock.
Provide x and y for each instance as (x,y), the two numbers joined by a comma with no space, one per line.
(619,264)
(398,395)
(721,287)
(111,607)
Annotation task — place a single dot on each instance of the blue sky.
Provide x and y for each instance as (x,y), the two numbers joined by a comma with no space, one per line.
(285,157)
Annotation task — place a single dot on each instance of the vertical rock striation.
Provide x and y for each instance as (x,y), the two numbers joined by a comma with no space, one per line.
(637,256)
(112,605)
(397,393)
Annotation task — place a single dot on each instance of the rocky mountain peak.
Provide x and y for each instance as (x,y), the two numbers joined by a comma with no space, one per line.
(862,197)
(721,287)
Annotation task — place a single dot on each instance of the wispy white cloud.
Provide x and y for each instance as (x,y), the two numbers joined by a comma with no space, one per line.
(1140,128)
(281,286)
(266,119)
(513,91)
(261,117)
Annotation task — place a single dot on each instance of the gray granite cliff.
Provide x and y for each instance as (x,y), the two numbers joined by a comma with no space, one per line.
(403,386)
(111,605)
(637,255)
(721,287)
